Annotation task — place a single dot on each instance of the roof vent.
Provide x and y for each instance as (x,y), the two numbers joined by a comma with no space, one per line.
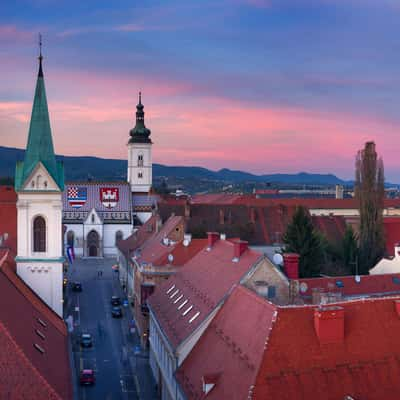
(222,236)
(329,324)
(239,247)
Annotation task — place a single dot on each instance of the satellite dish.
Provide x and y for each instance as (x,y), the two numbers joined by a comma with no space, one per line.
(186,243)
(170,258)
(278,259)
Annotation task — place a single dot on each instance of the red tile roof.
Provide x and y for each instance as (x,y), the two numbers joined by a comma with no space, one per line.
(137,239)
(204,282)
(364,366)
(154,248)
(8,216)
(21,311)
(232,347)
(368,285)
(181,253)
(215,198)
(281,356)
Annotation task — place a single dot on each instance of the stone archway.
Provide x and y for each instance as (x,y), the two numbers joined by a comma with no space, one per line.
(93,242)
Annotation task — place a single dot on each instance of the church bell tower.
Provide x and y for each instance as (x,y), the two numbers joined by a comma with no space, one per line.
(39,182)
(139,154)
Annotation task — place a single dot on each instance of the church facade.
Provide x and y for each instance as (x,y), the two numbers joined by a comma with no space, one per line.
(85,218)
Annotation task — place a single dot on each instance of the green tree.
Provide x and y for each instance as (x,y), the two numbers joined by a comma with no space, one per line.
(370,192)
(303,239)
(350,249)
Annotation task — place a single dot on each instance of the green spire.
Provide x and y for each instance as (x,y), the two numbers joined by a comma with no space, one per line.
(40,144)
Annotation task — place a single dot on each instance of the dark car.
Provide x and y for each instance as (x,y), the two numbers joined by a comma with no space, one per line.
(116,312)
(86,340)
(115,301)
(87,377)
(77,287)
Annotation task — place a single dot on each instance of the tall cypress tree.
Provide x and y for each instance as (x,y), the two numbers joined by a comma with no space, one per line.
(370,192)
(303,239)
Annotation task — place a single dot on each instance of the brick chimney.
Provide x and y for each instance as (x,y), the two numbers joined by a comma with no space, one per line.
(329,324)
(239,247)
(291,265)
(212,238)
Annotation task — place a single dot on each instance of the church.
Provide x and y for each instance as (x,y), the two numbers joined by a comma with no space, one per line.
(87,218)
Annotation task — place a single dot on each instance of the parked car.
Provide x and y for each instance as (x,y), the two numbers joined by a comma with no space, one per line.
(116,312)
(77,287)
(86,340)
(87,377)
(115,301)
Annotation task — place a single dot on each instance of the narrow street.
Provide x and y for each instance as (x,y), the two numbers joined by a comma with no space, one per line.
(121,368)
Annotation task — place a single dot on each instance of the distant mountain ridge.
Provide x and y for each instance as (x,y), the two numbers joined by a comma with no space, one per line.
(82,168)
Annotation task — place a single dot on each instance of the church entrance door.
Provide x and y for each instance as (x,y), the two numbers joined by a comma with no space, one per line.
(93,244)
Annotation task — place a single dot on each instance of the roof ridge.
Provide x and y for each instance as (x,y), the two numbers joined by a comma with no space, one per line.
(27,360)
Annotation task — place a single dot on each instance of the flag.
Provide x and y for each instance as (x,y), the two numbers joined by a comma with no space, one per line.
(70,254)
(77,196)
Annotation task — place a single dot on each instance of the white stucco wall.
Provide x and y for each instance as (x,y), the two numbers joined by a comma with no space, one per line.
(143,184)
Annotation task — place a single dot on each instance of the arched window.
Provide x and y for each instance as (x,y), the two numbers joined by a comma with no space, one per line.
(70,238)
(39,235)
(118,236)
(140,160)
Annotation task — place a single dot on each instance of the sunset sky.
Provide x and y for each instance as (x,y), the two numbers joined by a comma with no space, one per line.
(264,86)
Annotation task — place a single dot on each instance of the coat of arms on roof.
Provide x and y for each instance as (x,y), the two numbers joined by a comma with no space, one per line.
(109,197)
(77,196)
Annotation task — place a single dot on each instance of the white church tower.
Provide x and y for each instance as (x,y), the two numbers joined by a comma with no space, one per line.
(39,182)
(139,154)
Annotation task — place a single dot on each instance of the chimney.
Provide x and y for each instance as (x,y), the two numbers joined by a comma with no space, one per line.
(212,238)
(239,247)
(329,324)
(291,265)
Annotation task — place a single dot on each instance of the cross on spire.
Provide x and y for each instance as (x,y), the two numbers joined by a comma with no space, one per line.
(40,56)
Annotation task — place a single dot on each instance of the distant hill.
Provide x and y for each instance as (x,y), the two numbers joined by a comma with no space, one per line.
(82,168)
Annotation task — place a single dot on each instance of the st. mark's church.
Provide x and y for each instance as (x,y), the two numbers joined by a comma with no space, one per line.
(84,217)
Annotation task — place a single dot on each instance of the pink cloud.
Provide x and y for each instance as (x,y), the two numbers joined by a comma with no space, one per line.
(92,115)
(13,34)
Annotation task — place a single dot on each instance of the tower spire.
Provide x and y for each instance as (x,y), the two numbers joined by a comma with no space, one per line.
(140,134)
(40,56)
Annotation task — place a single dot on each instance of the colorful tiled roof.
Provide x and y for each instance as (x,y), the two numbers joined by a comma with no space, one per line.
(183,302)
(41,338)
(93,196)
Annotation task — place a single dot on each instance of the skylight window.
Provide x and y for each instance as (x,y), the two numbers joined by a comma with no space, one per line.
(178,298)
(38,348)
(182,304)
(40,334)
(194,317)
(41,322)
(174,294)
(187,310)
(171,289)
